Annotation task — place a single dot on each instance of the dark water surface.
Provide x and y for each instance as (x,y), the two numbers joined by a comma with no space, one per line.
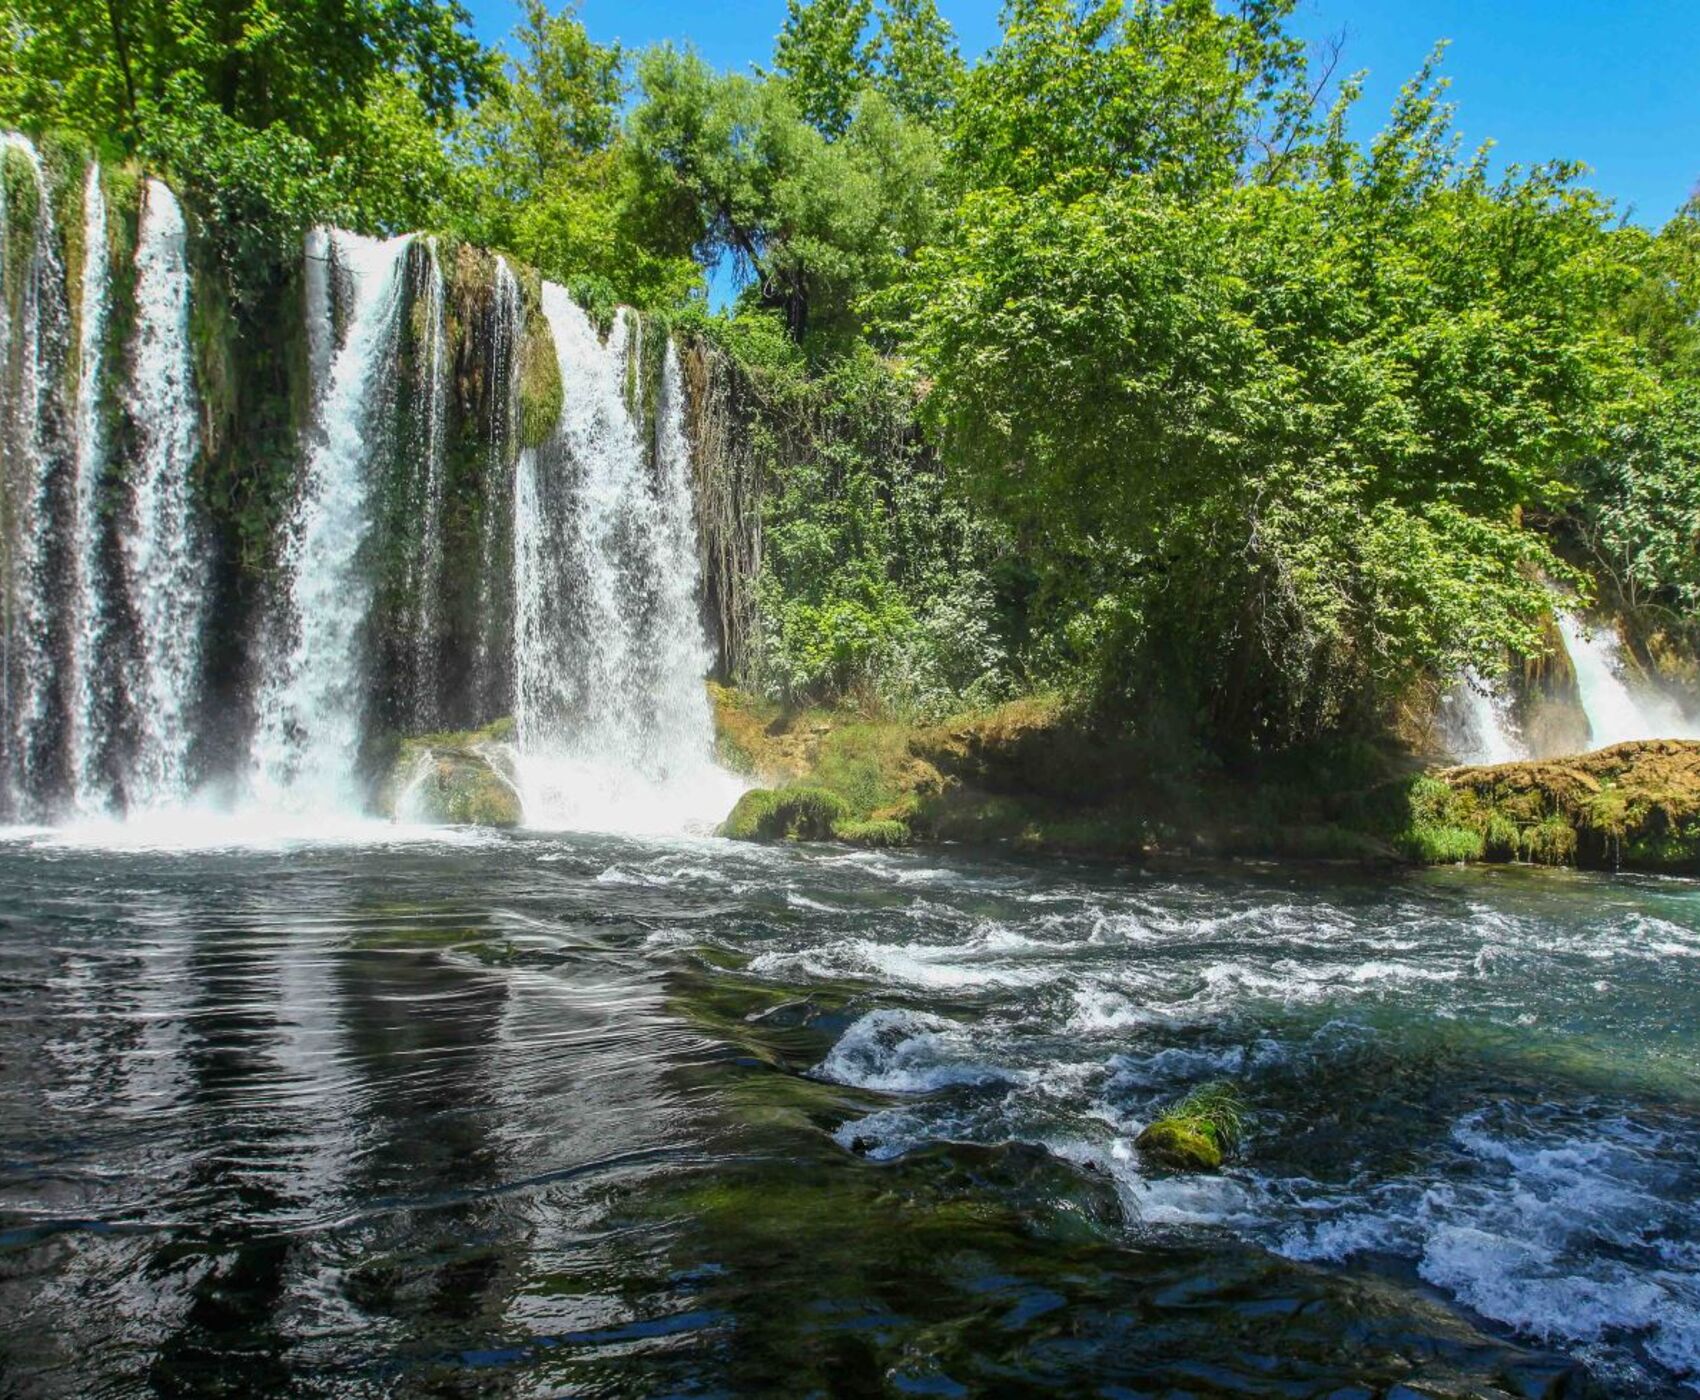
(541,1115)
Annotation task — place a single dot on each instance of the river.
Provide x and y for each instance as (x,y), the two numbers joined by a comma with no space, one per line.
(434,1113)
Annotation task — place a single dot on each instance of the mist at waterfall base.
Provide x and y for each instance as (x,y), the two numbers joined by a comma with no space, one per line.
(587,626)
(571,1113)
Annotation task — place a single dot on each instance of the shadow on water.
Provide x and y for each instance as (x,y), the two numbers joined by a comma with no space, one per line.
(594,1117)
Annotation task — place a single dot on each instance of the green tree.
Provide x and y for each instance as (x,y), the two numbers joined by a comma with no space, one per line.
(814,224)
(551,174)
(1178,90)
(1270,444)
(829,57)
(823,52)
(915,61)
(269,114)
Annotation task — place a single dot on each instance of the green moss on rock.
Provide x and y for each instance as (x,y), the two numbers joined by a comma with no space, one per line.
(456,779)
(1196,1133)
(889,832)
(541,393)
(788,814)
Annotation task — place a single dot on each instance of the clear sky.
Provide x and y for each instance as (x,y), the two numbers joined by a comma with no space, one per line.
(1614,83)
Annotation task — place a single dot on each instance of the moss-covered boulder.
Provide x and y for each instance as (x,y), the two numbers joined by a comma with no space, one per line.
(785,814)
(1195,1134)
(464,779)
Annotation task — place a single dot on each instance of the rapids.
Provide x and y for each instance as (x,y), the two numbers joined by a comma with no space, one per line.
(405,1112)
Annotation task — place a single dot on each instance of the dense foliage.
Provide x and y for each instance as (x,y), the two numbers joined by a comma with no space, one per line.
(1108,363)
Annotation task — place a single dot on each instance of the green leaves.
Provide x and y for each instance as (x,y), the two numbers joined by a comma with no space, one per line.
(1302,417)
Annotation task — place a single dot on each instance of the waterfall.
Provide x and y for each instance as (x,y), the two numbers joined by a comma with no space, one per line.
(88,729)
(492,673)
(612,724)
(316,277)
(424,464)
(37,465)
(129,561)
(311,702)
(1476,723)
(164,563)
(1615,712)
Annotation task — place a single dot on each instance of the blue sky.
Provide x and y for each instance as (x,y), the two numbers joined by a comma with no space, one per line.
(1614,83)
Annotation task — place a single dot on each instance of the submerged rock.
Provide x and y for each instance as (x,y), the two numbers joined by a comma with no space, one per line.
(464,779)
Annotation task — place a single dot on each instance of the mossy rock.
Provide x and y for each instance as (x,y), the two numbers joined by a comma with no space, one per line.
(1180,1147)
(458,791)
(456,779)
(1634,805)
(1195,1134)
(788,814)
(888,832)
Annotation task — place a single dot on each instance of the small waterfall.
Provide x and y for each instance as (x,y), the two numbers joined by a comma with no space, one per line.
(1615,713)
(491,670)
(320,312)
(612,724)
(1476,723)
(424,465)
(164,562)
(88,729)
(312,699)
(37,465)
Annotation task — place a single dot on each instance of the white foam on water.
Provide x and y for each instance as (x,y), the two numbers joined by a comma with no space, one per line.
(910,1052)
(190,828)
(948,967)
(1561,1234)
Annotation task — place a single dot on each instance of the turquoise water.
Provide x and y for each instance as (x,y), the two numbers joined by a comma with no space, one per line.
(412,1113)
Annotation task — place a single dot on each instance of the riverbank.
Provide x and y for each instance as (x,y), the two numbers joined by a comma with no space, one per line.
(1031,776)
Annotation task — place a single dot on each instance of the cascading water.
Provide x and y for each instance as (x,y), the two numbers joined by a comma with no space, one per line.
(118,591)
(1615,713)
(425,468)
(87,725)
(311,703)
(36,468)
(612,725)
(164,562)
(1476,723)
(491,663)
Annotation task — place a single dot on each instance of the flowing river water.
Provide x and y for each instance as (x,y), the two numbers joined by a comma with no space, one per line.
(428,1113)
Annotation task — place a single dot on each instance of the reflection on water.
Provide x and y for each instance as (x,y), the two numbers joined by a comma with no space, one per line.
(527,1115)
